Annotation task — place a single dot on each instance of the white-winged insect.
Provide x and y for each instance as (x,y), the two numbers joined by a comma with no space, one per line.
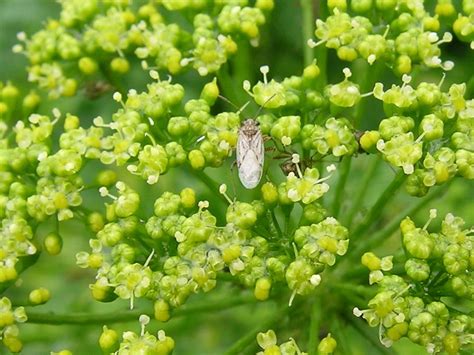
(250,153)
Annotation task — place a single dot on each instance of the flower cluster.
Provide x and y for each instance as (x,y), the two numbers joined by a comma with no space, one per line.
(268,342)
(133,343)
(278,241)
(189,249)
(402,34)
(100,40)
(443,147)
(9,332)
(415,304)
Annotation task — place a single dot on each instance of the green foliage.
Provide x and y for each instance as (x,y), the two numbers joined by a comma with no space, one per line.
(143,186)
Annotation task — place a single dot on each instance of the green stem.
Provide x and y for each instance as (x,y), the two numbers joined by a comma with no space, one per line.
(374,213)
(276,225)
(128,316)
(368,334)
(344,169)
(314,327)
(378,238)
(209,182)
(241,345)
(364,185)
(321,52)
(307,29)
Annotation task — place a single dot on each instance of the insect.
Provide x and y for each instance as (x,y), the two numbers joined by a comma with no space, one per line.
(250,153)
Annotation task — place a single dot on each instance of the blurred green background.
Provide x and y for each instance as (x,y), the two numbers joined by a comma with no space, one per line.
(211,332)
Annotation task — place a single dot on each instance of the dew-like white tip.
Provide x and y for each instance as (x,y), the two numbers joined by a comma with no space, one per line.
(315,280)
(152,179)
(285,140)
(406,78)
(21,36)
(223,189)
(357,312)
(433,213)
(98,121)
(154,75)
(447,37)
(347,72)
(371,59)
(448,65)
(103,191)
(246,85)
(311,43)
(331,168)
(203,204)
(161,335)
(56,112)
(132,168)
(144,319)
(117,96)
(264,69)
(295,158)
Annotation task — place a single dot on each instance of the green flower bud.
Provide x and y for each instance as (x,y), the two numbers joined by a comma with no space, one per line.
(287,126)
(371,261)
(188,198)
(403,64)
(210,92)
(262,288)
(53,243)
(432,127)
(69,88)
(30,103)
(87,65)
(418,243)
(241,214)
(71,122)
(445,8)
(120,65)
(196,159)
(39,296)
(382,303)
(361,6)
(311,72)
(161,310)
(107,177)
(327,345)
(451,344)
(385,5)
(265,5)
(13,344)
(428,94)
(269,193)
(368,141)
(456,259)
(101,292)
(347,53)
(314,213)
(395,125)
(397,331)
(422,328)
(418,270)
(178,126)
(108,340)
(96,221)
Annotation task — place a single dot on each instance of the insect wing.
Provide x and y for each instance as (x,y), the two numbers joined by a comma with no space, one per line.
(250,156)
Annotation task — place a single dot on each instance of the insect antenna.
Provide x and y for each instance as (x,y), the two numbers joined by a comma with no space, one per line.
(261,107)
(228,101)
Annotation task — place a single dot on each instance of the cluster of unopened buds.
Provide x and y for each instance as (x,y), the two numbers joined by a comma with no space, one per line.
(99,40)
(437,265)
